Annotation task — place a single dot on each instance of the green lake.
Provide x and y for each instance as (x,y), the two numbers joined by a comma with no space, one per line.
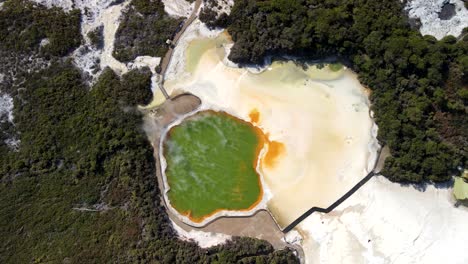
(211,159)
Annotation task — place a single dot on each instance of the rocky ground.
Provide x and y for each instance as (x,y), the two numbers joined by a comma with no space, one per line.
(432,23)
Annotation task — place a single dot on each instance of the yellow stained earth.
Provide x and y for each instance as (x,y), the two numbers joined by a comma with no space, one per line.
(317,122)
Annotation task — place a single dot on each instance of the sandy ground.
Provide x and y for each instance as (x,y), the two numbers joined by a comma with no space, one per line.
(427,11)
(319,117)
(110,19)
(261,226)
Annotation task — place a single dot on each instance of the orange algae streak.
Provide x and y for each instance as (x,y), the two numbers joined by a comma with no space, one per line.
(254,116)
(275,149)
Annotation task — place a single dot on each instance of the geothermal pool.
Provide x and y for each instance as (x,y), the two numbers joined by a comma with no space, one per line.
(211,165)
(321,137)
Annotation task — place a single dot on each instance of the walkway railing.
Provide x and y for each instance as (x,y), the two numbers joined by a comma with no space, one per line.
(379,162)
(331,207)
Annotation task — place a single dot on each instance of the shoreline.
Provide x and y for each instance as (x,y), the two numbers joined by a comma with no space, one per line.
(258,149)
(259,205)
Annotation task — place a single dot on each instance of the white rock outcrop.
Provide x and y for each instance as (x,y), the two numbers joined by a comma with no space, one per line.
(95,13)
(106,14)
(6,115)
(6,108)
(222,6)
(178,8)
(428,12)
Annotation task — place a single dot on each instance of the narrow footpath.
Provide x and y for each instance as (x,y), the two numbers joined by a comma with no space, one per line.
(168,57)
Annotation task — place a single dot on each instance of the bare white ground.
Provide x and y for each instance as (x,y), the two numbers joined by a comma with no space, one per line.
(6,115)
(203,239)
(427,11)
(385,222)
(98,13)
(178,8)
(6,107)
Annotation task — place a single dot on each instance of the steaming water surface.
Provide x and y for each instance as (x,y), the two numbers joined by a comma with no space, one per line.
(211,165)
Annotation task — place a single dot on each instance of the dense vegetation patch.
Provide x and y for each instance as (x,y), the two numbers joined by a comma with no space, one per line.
(419,84)
(96,37)
(212,13)
(81,188)
(144,30)
(27,27)
(211,165)
(28,43)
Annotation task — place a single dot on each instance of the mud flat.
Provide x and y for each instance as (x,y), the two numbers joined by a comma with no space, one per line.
(319,120)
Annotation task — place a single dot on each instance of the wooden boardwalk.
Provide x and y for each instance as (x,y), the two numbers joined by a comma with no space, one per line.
(382,155)
(331,207)
(168,57)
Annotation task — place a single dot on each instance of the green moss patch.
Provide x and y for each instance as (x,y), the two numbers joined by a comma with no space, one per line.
(460,189)
(335,67)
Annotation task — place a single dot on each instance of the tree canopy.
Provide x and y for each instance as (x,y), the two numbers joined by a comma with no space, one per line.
(82,187)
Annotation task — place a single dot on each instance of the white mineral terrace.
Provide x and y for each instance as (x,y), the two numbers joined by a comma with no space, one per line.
(385,222)
(107,14)
(320,117)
